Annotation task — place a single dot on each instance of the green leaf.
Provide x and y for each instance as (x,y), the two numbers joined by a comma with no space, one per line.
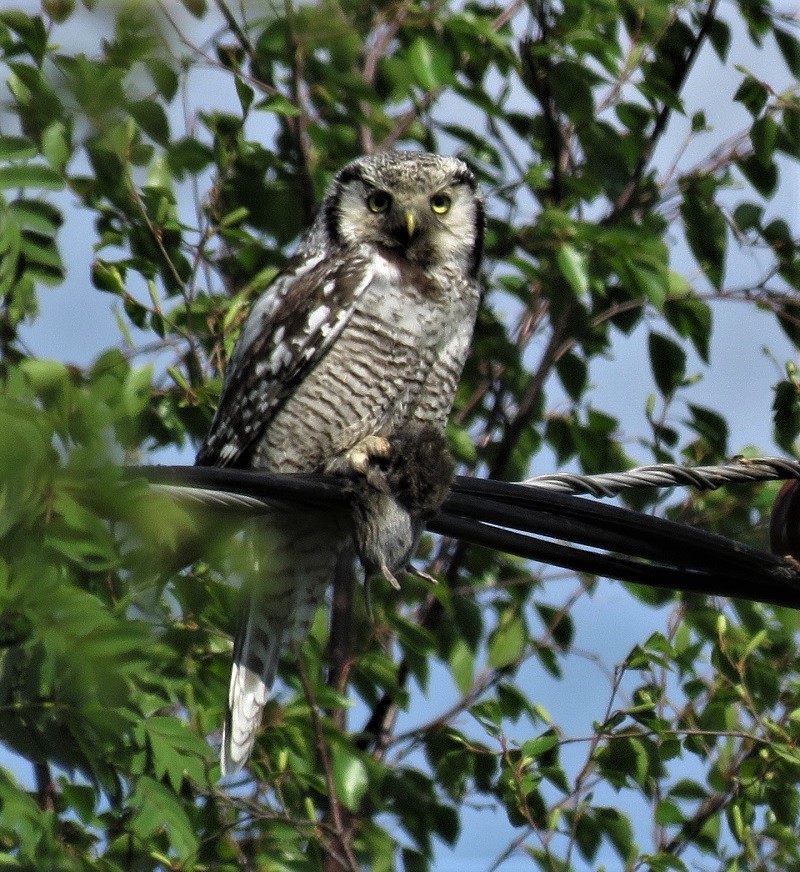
(152,118)
(706,228)
(763,135)
(574,375)
(752,94)
(81,798)
(572,84)
(789,47)
(622,760)
(107,276)
(462,666)
(748,216)
(461,443)
(17,148)
(157,810)
(189,155)
(246,96)
(691,318)
(668,362)
(31,31)
(350,777)
(177,751)
(59,10)
(719,34)
(587,836)
(46,376)
(30,176)
(712,427)
(198,8)
(164,77)
(617,828)
(573,267)
(507,642)
(763,177)
(414,861)
(667,813)
(786,414)
(278,104)
(536,747)
(430,63)
(56,146)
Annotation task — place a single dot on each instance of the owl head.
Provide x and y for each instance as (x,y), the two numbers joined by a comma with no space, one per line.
(422,207)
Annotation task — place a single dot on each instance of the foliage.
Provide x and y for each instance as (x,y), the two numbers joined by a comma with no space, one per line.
(114,644)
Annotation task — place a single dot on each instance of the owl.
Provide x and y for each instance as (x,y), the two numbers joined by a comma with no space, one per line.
(360,339)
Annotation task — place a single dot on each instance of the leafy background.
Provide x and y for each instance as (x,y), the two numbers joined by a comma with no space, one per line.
(156,164)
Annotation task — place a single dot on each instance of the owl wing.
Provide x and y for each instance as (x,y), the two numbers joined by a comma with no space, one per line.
(288,331)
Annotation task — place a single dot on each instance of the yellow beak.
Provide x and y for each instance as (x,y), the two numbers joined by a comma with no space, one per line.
(411,224)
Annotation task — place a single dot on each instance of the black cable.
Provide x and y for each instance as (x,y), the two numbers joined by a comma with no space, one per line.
(648,535)
(512,517)
(765,586)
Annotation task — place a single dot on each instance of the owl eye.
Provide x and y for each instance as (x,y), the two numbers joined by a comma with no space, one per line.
(379,201)
(440,203)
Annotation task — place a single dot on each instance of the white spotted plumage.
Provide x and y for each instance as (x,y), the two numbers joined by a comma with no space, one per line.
(365,330)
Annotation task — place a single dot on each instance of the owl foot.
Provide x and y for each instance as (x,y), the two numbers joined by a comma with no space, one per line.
(359,456)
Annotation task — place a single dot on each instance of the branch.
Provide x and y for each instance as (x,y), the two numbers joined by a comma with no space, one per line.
(407,119)
(526,406)
(624,199)
(370,66)
(45,786)
(340,645)
(335,810)
(298,125)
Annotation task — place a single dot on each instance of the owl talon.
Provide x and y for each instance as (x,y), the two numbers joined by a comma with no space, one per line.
(389,576)
(368,601)
(420,573)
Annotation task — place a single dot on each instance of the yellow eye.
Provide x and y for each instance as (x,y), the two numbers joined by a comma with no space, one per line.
(440,203)
(379,201)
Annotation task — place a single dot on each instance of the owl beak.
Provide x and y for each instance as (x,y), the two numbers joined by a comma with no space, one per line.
(411,224)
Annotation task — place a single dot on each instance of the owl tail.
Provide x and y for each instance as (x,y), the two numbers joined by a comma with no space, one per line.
(298,554)
(256,653)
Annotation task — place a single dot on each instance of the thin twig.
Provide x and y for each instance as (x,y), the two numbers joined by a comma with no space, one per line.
(298,125)
(623,201)
(527,404)
(335,807)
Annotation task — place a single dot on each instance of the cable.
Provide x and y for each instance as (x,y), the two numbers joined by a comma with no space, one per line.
(537,520)
(609,484)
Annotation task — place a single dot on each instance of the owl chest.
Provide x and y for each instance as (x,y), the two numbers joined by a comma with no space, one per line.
(370,380)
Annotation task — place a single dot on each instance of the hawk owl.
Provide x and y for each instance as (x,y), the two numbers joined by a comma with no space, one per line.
(359,341)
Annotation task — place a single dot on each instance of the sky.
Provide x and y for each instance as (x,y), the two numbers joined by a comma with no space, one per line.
(76,322)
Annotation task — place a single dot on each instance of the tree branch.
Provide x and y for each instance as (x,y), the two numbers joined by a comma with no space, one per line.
(45,786)
(625,198)
(336,812)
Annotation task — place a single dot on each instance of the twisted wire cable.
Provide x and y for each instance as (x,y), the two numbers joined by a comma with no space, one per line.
(255,491)
(664,475)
